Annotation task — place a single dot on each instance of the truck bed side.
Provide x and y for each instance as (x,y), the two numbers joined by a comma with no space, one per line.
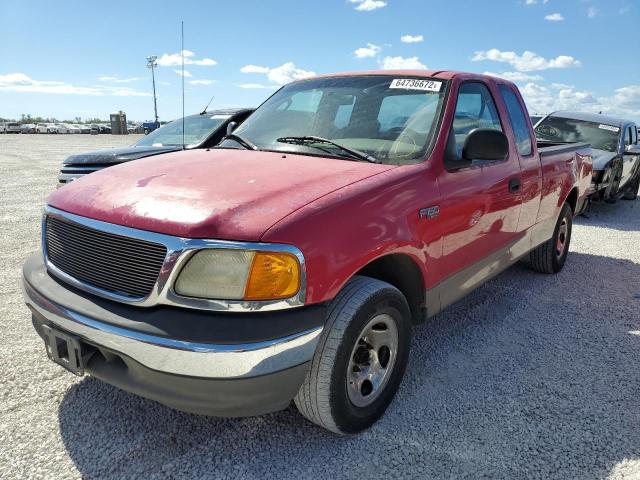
(566,176)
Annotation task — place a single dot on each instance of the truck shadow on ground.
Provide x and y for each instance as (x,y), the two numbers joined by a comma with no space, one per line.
(530,376)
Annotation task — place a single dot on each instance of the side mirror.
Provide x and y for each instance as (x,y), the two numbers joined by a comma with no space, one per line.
(632,150)
(231,126)
(485,144)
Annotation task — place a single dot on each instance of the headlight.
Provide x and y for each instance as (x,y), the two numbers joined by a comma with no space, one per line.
(227,274)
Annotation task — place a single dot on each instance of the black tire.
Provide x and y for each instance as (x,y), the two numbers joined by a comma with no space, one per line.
(632,192)
(324,397)
(547,258)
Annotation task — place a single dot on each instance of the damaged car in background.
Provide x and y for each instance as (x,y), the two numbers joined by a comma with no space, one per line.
(616,153)
(203,130)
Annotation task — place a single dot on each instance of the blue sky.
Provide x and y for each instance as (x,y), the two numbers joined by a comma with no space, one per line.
(86,59)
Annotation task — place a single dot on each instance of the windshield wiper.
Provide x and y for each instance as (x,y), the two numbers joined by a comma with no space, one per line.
(242,141)
(306,140)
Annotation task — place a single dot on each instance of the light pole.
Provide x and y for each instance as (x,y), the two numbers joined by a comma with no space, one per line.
(152,64)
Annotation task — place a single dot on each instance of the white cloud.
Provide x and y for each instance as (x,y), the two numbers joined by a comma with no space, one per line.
(370,50)
(254,69)
(200,82)
(625,101)
(554,17)
(401,63)
(411,38)
(187,73)
(20,82)
(285,73)
(527,62)
(256,86)
(174,59)
(106,78)
(592,12)
(368,5)
(516,76)
(540,99)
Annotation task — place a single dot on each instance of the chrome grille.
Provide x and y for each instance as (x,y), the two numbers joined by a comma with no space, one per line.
(120,265)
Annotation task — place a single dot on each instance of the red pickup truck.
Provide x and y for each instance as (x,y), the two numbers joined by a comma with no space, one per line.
(292,261)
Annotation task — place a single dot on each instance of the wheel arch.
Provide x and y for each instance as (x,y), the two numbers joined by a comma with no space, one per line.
(403,272)
(572,199)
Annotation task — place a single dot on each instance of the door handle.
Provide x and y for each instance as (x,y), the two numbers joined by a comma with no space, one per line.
(514,185)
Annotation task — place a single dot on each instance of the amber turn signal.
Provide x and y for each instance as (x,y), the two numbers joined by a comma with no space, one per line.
(273,275)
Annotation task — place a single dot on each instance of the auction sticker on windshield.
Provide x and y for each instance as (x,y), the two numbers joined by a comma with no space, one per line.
(416,84)
(608,127)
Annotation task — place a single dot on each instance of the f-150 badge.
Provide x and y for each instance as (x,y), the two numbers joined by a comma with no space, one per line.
(429,212)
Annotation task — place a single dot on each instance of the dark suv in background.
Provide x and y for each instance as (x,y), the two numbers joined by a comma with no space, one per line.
(203,130)
(616,153)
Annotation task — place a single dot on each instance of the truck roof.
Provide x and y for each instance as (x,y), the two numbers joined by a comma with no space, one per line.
(442,74)
(591,117)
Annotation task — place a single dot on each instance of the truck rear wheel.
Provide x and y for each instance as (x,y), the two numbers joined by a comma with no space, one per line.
(551,255)
(360,359)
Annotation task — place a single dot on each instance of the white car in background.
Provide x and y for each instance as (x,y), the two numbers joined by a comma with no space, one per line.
(46,128)
(61,128)
(72,128)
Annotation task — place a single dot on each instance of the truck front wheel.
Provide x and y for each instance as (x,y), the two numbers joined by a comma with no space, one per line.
(360,359)
(551,255)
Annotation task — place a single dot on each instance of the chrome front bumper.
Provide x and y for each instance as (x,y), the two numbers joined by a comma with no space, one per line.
(171,356)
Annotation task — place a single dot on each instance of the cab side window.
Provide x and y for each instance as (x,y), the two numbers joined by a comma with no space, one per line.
(519,121)
(475,108)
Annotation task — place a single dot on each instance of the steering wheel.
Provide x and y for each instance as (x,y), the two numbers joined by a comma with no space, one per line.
(402,136)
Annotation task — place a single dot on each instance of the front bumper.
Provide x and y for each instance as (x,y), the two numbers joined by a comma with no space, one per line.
(189,360)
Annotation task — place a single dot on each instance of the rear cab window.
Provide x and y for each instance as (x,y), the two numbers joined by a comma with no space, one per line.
(518,120)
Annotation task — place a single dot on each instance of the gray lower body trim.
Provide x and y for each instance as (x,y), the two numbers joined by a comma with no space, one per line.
(460,284)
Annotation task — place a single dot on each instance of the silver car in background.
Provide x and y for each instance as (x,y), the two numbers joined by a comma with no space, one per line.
(10,127)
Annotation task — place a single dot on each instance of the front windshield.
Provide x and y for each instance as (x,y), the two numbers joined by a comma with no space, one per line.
(390,119)
(599,135)
(196,130)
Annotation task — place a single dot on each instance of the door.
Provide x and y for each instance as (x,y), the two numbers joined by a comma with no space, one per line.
(531,169)
(481,200)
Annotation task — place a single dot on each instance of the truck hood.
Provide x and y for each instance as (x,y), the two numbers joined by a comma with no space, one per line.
(219,194)
(601,158)
(113,156)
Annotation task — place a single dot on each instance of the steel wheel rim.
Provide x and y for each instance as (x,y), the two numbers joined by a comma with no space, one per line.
(561,241)
(372,360)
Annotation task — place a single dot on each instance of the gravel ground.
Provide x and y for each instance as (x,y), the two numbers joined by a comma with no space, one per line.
(532,376)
